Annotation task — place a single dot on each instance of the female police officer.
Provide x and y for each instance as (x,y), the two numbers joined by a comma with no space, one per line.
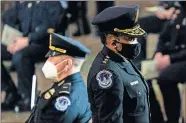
(117,91)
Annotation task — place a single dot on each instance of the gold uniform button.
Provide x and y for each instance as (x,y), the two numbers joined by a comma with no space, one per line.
(52,91)
(47,96)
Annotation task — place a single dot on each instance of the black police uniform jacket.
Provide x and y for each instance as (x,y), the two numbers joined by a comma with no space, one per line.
(64,102)
(34,18)
(172,39)
(117,91)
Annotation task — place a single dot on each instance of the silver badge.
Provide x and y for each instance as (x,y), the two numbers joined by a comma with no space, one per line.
(134,83)
(104,78)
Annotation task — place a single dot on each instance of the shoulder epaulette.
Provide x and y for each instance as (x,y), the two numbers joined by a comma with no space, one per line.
(66,87)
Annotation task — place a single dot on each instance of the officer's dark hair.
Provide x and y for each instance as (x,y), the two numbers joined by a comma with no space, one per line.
(104,34)
(103,37)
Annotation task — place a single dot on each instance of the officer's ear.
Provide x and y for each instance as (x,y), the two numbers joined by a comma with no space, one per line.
(109,39)
(68,64)
(114,43)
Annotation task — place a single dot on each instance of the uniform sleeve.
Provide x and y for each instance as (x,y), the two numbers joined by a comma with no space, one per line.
(179,56)
(165,36)
(161,43)
(108,96)
(9,17)
(50,21)
(58,111)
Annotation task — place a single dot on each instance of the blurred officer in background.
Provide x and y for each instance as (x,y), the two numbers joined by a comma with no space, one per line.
(100,6)
(78,11)
(154,24)
(117,91)
(33,18)
(171,62)
(67,100)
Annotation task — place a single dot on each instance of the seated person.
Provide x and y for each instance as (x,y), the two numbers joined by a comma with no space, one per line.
(33,19)
(171,63)
(154,24)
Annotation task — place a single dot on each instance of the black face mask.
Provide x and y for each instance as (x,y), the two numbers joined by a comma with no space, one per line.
(130,51)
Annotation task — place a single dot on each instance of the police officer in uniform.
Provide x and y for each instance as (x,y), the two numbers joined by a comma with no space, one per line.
(117,91)
(67,100)
(171,62)
(155,24)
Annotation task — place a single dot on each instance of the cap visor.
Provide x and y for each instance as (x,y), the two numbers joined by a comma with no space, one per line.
(52,53)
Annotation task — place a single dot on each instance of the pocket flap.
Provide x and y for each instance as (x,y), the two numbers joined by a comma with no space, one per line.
(134,89)
(130,71)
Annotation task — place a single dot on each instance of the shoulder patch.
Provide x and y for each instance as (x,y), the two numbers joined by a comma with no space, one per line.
(104,79)
(62,103)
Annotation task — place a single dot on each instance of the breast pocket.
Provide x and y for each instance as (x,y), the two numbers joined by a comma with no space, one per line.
(137,95)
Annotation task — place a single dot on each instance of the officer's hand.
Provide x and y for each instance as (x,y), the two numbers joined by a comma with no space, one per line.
(165,61)
(20,43)
(10,47)
(161,14)
(166,14)
(158,58)
(162,61)
(169,14)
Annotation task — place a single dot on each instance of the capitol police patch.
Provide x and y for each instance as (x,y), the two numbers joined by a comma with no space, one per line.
(62,103)
(104,78)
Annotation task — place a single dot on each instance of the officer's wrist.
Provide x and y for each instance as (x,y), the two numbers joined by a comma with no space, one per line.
(30,38)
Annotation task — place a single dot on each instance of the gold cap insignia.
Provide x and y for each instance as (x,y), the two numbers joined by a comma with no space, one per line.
(136,31)
(137,16)
(57,49)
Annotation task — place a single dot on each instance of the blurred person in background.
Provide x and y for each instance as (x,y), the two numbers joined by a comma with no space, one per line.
(154,24)
(171,62)
(67,100)
(100,6)
(78,11)
(33,19)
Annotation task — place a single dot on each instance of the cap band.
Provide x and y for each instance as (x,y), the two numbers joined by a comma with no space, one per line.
(57,49)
